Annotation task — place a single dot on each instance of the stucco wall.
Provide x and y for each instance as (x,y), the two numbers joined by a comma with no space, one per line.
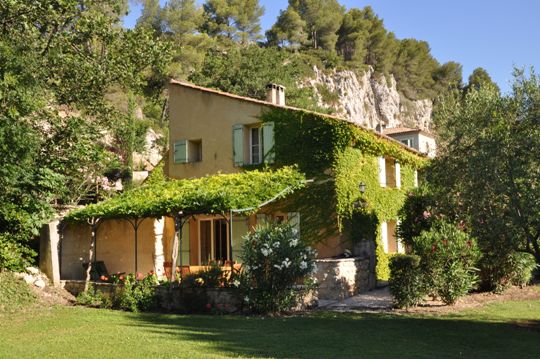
(198,115)
(115,246)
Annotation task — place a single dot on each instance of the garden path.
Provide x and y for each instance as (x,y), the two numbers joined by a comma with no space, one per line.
(378,299)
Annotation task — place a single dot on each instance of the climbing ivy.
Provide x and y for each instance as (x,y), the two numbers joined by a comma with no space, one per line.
(339,155)
(211,194)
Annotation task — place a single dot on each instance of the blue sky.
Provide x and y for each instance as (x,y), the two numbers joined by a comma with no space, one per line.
(494,34)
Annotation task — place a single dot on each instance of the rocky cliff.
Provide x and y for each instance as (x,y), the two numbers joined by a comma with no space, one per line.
(369,99)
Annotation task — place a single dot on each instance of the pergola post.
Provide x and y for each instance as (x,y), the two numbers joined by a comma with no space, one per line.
(135,223)
(179,220)
(92,253)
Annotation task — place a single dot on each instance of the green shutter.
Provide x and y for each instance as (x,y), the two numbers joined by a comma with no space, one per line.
(180,151)
(238,145)
(268,142)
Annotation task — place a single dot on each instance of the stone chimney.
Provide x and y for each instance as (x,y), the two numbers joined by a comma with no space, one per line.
(275,94)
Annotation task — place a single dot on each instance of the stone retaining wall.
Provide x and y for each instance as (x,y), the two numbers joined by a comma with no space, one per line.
(340,278)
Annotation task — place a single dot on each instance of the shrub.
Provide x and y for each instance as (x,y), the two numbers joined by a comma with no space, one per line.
(416,215)
(275,262)
(406,280)
(448,257)
(523,266)
(13,254)
(211,277)
(501,266)
(14,293)
(137,295)
(93,298)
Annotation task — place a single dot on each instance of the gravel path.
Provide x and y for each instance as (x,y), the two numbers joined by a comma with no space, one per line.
(375,300)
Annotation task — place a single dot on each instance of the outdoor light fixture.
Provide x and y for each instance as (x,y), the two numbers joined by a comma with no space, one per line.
(361,202)
(362,187)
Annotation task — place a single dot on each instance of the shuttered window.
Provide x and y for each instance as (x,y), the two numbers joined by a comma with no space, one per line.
(238,145)
(180,151)
(268,142)
(398,174)
(382,171)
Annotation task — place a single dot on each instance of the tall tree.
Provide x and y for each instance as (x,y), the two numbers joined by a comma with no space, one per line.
(323,19)
(363,39)
(238,20)
(151,16)
(479,78)
(487,172)
(289,28)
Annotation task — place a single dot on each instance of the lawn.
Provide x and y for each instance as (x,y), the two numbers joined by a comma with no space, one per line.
(505,330)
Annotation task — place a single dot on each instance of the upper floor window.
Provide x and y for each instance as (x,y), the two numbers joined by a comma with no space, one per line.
(389,172)
(407,142)
(253,144)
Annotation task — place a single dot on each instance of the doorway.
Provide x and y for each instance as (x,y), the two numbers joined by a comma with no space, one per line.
(213,241)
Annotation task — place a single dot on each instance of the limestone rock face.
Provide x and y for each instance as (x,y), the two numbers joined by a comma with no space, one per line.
(369,99)
(152,153)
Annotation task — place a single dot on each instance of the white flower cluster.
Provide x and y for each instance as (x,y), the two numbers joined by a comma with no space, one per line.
(285,264)
(266,250)
(294,242)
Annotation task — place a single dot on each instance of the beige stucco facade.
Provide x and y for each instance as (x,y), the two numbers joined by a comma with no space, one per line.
(200,115)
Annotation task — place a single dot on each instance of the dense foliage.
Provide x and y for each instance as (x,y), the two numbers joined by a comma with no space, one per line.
(340,155)
(406,280)
(487,174)
(59,63)
(212,194)
(443,265)
(276,263)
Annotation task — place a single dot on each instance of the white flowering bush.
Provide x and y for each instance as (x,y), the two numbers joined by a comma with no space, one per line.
(276,268)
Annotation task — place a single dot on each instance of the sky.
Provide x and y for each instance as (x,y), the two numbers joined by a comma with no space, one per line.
(494,34)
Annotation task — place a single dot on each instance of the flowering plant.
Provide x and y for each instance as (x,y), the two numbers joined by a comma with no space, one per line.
(275,261)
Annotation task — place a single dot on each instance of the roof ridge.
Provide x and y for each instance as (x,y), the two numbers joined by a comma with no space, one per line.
(269,104)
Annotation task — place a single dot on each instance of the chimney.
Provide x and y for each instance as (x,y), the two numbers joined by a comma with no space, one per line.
(275,94)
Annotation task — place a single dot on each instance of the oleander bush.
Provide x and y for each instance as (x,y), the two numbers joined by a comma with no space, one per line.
(449,258)
(276,269)
(406,280)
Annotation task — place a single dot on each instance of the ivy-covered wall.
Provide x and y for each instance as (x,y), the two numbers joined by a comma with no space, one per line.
(338,155)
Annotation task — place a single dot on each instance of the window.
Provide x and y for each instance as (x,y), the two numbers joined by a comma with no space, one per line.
(407,141)
(213,241)
(187,151)
(389,237)
(195,151)
(255,145)
(389,172)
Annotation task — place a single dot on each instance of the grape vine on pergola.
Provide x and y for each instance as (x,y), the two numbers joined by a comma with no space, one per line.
(222,194)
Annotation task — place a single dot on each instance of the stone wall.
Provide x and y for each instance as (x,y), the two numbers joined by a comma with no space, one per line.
(340,278)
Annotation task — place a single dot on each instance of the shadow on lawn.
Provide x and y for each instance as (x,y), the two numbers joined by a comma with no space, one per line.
(348,335)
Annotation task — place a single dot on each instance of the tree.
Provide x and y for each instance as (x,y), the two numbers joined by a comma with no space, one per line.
(246,71)
(363,39)
(238,20)
(151,16)
(448,76)
(487,172)
(289,28)
(323,19)
(58,63)
(478,78)
(413,69)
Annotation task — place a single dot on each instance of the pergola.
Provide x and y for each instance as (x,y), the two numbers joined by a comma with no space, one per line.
(222,194)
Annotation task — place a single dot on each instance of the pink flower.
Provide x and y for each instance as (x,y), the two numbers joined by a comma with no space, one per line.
(426,214)
(208,306)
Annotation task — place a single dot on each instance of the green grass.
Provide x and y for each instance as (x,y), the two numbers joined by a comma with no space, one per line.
(489,332)
(14,293)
